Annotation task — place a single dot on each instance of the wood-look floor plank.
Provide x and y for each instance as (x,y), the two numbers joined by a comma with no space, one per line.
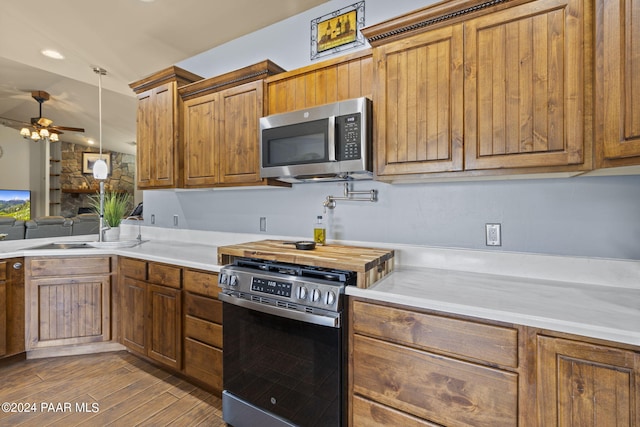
(127,390)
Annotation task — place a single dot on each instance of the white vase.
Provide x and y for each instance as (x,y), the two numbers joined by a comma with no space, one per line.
(111,234)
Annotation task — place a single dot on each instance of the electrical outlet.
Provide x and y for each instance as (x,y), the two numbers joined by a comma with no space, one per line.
(493,234)
(175,220)
(153,219)
(263,223)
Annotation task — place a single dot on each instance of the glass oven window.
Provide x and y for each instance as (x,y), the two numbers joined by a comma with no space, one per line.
(287,367)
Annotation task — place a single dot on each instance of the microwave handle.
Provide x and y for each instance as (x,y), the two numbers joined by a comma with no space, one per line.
(332,138)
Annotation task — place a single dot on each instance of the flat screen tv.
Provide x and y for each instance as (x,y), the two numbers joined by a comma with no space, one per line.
(16,203)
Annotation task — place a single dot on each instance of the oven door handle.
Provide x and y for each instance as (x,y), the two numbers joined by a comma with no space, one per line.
(330,319)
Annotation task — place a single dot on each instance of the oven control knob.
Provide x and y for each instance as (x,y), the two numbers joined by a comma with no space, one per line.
(233,280)
(224,278)
(330,298)
(302,292)
(315,295)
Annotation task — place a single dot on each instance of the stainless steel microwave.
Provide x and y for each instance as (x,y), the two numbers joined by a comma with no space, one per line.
(325,143)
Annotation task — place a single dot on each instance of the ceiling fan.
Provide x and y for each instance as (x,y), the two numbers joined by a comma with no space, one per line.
(40,127)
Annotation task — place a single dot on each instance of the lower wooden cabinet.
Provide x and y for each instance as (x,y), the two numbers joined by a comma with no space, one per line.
(418,368)
(11,307)
(414,367)
(68,300)
(587,385)
(202,328)
(152,310)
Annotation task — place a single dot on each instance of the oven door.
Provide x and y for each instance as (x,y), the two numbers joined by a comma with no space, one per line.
(280,371)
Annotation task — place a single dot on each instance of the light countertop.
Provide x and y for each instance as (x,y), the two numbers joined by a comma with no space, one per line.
(597,311)
(596,298)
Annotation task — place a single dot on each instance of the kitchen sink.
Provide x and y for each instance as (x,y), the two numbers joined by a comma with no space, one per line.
(89,245)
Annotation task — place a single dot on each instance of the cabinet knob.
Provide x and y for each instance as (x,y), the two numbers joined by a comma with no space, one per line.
(17,266)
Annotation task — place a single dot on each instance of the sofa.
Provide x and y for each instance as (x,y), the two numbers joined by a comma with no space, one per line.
(48,226)
(86,223)
(13,228)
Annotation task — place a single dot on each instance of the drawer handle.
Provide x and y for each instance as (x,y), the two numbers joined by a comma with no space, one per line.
(17,266)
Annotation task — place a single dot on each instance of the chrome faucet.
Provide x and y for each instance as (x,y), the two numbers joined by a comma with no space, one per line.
(137,218)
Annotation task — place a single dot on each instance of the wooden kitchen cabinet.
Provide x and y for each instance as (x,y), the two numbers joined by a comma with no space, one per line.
(346,77)
(11,307)
(159,154)
(464,91)
(68,301)
(617,82)
(418,103)
(203,329)
(220,127)
(152,310)
(587,385)
(417,368)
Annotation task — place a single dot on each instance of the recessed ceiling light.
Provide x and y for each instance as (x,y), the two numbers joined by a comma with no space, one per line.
(90,141)
(147,1)
(52,54)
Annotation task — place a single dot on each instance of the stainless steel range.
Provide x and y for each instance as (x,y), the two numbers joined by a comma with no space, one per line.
(283,343)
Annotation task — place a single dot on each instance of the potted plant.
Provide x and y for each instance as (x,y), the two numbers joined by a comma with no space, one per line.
(116,205)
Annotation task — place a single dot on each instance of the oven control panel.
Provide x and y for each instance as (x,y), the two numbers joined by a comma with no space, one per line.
(280,287)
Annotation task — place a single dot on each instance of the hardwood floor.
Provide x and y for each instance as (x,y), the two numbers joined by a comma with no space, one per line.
(115,389)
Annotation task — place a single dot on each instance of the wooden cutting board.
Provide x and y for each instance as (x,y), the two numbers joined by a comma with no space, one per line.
(370,264)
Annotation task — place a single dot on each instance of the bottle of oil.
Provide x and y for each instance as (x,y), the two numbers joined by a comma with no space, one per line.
(319,231)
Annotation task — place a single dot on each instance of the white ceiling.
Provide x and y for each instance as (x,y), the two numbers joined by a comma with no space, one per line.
(131,39)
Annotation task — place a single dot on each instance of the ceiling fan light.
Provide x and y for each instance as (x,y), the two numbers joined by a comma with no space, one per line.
(44,133)
(25,132)
(100,169)
(54,137)
(35,136)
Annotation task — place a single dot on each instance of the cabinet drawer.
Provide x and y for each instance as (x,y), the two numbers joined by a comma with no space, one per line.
(371,414)
(167,275)
(495,345)
(201,283)
(71,266)
(203,307)
(201,330)
(439,389)
(134,268)
(203,362)
(3,270)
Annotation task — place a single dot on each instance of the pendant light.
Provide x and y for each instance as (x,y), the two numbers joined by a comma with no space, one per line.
(100,169)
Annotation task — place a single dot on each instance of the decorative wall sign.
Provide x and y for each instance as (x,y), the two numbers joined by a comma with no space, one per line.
(89,159)
(337,31)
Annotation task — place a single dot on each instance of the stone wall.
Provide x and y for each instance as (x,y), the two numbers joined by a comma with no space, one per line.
(121,178)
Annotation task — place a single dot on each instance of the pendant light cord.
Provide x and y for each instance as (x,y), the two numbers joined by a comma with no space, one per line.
(100,72)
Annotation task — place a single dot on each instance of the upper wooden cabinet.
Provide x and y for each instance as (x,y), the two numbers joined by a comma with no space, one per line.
(483,89)
(159,159)
(524,87)
(617,83)
(418,103)
(220,127)
(328,81)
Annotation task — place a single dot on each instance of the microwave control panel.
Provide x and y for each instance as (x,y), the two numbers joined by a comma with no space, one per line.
(349,137)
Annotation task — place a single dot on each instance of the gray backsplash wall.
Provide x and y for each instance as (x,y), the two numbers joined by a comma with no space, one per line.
(580,216)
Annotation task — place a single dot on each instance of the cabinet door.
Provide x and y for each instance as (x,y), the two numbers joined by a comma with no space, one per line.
(66,311)
(145,131)
(201,129)
(3,316)
(618,78)
(584,385)
(524,94)
(134,314)
(165,326)
(418,103)
(156,137)
(240,110)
